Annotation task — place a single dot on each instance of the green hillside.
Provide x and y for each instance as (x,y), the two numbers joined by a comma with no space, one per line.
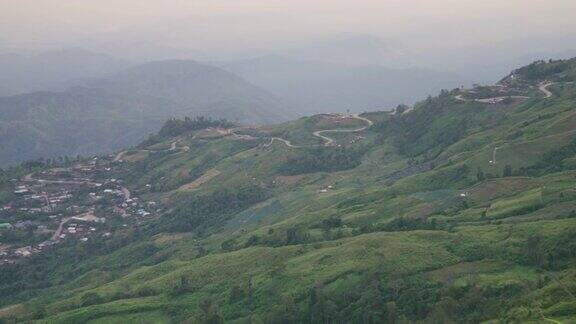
(460,210)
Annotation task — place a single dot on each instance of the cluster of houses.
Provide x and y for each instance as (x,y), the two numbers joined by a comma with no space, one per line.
(12,255)
(60,204)
(81,227)
(506,89)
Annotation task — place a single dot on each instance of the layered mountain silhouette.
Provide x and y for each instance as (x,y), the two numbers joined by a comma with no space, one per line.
(318,86)
(119,110)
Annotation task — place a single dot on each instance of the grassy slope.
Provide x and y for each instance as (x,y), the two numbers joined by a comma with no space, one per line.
(481,248)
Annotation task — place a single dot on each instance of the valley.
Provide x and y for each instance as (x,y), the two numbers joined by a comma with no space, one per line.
(461,208)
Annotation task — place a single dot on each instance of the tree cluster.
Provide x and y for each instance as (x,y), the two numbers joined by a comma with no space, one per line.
(199,212)
(322,159)
(174,127)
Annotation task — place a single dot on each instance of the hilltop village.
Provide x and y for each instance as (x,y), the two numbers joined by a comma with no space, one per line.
(79,202)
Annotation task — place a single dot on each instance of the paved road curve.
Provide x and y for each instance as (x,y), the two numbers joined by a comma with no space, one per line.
(327,140)
(173,147)
(543,87)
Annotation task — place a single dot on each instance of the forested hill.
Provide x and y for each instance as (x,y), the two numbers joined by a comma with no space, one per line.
(459,209)
(560,70)
(122,109)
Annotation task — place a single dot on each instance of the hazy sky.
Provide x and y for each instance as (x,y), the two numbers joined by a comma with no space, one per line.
(224,28)
(460,20)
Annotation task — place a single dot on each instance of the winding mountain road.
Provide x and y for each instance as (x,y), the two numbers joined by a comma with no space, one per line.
(173,147)
(287,142)
(327,140)
(544,88)
(493,161)
(119,156)
(489,100)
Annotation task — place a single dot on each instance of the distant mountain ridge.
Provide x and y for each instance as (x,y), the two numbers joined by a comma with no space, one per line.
(121,109)
(315,86)
(461,209)
(204,88)
(54,70)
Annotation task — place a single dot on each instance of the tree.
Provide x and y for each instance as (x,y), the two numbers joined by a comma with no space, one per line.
(252,240)
(180,287)
(236,294)
(228,245)
(317,304)
(90,298)
(480,176)
(400,109)
(210,313)
(372,302)
(391,312)
(507,171)
(444,311)
(296,235)
(433,224)
(331,222)
(534,250)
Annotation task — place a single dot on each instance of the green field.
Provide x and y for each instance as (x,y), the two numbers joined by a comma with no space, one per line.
(411,224)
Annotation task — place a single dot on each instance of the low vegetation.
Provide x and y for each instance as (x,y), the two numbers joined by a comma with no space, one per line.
(452,212)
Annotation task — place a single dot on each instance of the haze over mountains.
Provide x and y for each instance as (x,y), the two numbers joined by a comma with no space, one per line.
(316,86)
(121,109)
(479,63)
(272,161)
(459,210)
(53,70)
(88,103)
